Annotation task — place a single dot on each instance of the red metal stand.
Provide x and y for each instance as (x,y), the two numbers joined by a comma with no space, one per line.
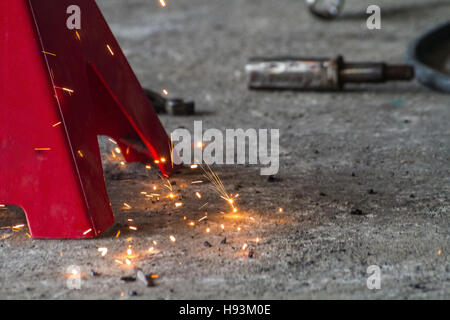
(59,90)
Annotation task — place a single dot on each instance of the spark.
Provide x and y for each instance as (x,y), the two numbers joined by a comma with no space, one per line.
(56,124)
(129,252)
(199,144)
(110,50)
(171,196)
(156,161)
(165,92)
(127,261)
(118,261)
(203,206)
(78,35)
(222,226)
(122,163)
(154,188)
(191,223)
(439,252)
(2,205)
(118,234)
(148,167)
(126,206)
(178,204)
(49,53)
(151,249)
(19,226)
(198,195)
(163,160)
(143,192)
(87,231)
(280,210)
(132,228)
(80,153)
(257,240)
(203,218)
(103,251)
(42,149)
(28,235)
(155,242)
(194,166)
(172,238)
(218,185)
(68,90)
(113,141)
(245,246)
(208,230)
(163,3)
(154,276)
(196,182)
(238,229)
(117,150)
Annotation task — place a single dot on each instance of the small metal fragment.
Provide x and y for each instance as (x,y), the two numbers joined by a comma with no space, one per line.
(207,244)
(140,275)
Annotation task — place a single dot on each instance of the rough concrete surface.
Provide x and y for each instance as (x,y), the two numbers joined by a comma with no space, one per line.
(382,149)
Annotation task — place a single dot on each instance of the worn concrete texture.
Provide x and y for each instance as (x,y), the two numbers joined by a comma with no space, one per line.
(383,149)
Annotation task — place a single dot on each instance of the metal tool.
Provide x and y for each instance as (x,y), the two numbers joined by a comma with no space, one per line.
(319,74)
(175,107)
(326,9)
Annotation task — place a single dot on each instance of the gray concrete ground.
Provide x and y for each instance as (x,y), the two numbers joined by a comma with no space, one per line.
(393,139)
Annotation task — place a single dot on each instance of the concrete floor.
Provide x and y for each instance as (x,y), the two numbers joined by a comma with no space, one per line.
(393,139)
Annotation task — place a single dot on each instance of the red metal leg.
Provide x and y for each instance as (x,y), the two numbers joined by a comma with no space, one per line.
(59,89)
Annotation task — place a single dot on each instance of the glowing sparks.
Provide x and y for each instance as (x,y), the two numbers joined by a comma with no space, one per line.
(257,240)
(127,261)
(245,246)
(171,196)
(118,234)
(87,231)
(56,124)
(163,160)
(49,53)
(165,92)
(194,166)
(196,182)
(198,195)
(126,206)
(172,238)
(103,251)
(191,223)
(439,252)
(129,252)
(280,210)
(178,204)
(70,91)
(132,228)
(111,140)
(222,226)
(42,149)
(238,229)
(80,154)
(148,167)
(19,226)
(218,186)
(117,150)
(110,50)
(157,161)
(78,35)
(163,3)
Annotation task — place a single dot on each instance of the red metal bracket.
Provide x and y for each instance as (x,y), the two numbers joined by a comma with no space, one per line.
(59,90)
